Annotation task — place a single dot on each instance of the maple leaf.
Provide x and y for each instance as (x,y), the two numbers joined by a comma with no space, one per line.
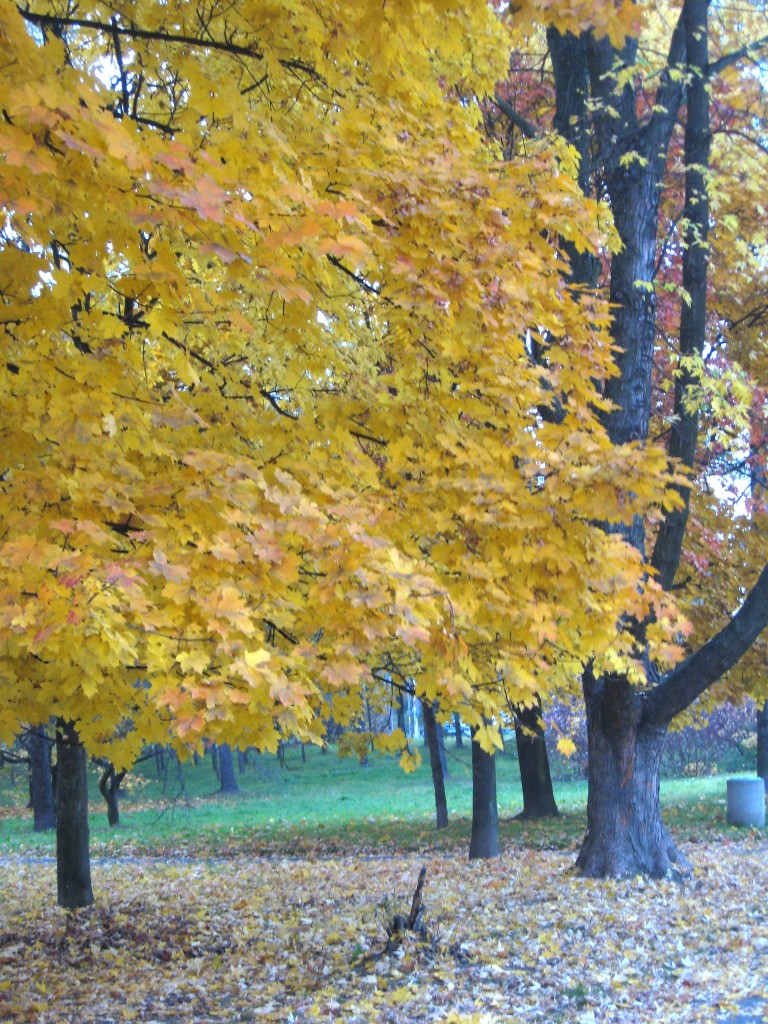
(161,565)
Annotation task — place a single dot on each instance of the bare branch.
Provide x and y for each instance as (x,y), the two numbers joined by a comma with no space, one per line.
(748,50)
(519,122)
(114,29)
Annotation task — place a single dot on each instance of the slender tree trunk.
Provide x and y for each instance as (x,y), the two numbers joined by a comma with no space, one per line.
(109,787)
(484,841)
(457,731)
(438,778)
(535,777)
(762,743)
(440,731)
(227,770)
(73,864)
(180,779)
(400,710)
(215,761)
(41,781)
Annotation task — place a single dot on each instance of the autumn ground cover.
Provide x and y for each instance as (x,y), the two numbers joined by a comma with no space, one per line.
(202,917)
(301,939)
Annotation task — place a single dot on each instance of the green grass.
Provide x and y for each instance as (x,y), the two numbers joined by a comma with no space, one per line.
(328,805)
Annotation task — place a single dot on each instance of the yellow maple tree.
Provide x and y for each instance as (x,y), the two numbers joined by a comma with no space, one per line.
(268,403)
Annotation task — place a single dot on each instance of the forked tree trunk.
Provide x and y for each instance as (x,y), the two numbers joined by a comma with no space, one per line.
(535,777)
(73,863)
(438,777)
(625,833)
(484,841)
(41,781)
(109,787)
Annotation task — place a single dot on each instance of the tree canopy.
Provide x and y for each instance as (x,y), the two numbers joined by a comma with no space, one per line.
(291,376)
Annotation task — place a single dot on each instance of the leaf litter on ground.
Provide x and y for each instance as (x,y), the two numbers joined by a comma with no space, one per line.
(292,940)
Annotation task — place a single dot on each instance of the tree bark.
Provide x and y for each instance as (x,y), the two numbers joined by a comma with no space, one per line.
(684,429)
(626,726)
(41,781)
(484,841)
(400,711)
(625,833)
(438,778)
(228,780)
(457,730)
(762,743)
(440,731)
(535,777)
(73,863)
(109,787)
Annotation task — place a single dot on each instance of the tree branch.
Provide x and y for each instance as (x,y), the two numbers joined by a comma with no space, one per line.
(361,281)
(695,260)
(519,122)
(669,95)
(113,29)
(680,687)
(716,66)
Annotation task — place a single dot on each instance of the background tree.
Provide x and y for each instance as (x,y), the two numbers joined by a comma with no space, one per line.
(227,778)
(535,776)
(109,787)
(73,865)
(431,730)
(484,838)
(42,792)
(625,116)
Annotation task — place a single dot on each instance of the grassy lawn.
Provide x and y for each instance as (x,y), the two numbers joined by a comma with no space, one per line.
(328,805)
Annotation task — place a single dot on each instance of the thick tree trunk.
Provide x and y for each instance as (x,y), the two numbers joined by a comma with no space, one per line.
(438,777)
(484,841)
(228,780)
(627,727)
(762,743)
(73,863)
(535,778)
(625,834)
(41,781)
